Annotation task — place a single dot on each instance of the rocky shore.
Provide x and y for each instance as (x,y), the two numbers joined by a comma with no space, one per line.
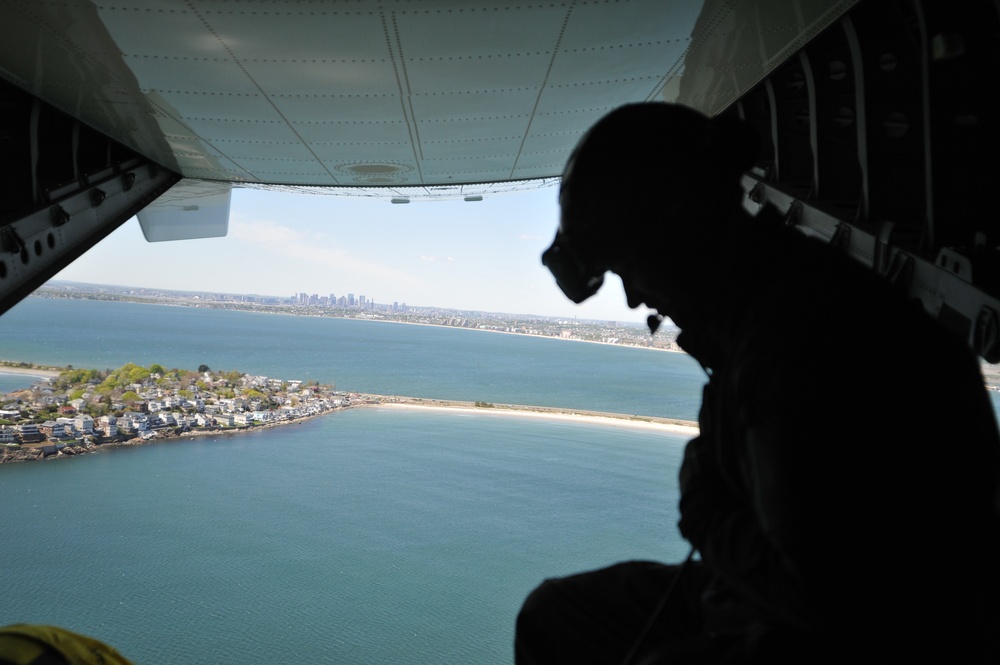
(33,452)
(36,453)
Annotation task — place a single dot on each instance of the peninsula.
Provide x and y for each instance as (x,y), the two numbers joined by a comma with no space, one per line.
(75,411)
(78,410)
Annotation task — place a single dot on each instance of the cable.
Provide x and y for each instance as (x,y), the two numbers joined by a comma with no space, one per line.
(656,612)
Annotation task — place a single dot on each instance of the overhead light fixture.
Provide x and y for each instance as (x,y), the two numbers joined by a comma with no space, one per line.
(400,199)
(477,197)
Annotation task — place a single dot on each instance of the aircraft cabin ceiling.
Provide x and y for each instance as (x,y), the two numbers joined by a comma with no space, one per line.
(397,94)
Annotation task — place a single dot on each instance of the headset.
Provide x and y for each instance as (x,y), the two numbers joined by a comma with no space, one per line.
(578,277)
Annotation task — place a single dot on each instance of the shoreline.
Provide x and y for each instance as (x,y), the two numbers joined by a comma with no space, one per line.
(206,305)
(29,371)
(605,419)
(671,425)
(508,332)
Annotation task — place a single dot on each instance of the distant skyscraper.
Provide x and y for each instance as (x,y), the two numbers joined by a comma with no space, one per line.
(350,300)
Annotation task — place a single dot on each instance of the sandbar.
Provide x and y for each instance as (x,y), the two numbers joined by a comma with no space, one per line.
(28,371)
(669,425)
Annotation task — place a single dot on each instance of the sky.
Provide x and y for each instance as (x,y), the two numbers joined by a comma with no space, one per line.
(482,256)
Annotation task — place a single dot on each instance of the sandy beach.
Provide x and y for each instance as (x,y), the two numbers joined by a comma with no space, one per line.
(683,427)
(27,371)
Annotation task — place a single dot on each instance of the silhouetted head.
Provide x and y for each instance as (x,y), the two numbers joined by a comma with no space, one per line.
(644,179)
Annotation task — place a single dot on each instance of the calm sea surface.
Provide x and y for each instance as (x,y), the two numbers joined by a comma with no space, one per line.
(378,357)
(369,536)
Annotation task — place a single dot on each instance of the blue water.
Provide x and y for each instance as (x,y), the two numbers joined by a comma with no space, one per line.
(368,536)
(378,357)
(9,382)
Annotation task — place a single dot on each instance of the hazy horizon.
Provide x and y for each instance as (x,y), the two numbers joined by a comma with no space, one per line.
(471,256)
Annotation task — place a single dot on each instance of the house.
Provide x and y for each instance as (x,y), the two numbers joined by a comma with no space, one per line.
(108,426)
(48,428)
(196,404)
(65,428)
(28,432)
(84,423)
(131,422)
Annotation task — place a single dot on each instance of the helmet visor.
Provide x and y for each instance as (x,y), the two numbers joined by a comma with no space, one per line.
(578,278)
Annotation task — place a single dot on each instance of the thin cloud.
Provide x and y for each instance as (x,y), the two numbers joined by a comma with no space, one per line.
(435,259)
(307,248)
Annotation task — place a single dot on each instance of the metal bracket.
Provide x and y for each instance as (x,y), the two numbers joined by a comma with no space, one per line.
(986,336)
(10,241)
(841,237)
(45,240)
(794,215)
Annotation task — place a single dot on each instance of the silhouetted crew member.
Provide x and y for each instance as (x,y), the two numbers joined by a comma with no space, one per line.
(843,490)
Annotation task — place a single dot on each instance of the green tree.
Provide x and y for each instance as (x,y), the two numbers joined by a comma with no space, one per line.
(156,368)
(203,368)
(97,409)
(73,377)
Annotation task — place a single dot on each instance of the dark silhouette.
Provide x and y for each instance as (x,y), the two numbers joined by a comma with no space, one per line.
(843,491)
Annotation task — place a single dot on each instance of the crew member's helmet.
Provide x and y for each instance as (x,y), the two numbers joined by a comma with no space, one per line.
(33,644)
(630,178)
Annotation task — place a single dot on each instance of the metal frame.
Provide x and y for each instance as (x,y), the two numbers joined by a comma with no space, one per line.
(64,188)
(880,137)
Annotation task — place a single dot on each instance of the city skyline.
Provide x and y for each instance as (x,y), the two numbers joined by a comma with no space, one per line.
(479,256)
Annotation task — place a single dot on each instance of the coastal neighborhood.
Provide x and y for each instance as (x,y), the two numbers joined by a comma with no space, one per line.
(80,410)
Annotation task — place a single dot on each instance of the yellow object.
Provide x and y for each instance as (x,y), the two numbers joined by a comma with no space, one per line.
(24,644)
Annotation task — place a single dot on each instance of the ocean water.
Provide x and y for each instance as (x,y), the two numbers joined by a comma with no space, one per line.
(378,357)
(367,536)
(9,382)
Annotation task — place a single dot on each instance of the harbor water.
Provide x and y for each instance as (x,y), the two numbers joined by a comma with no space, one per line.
(366,536)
